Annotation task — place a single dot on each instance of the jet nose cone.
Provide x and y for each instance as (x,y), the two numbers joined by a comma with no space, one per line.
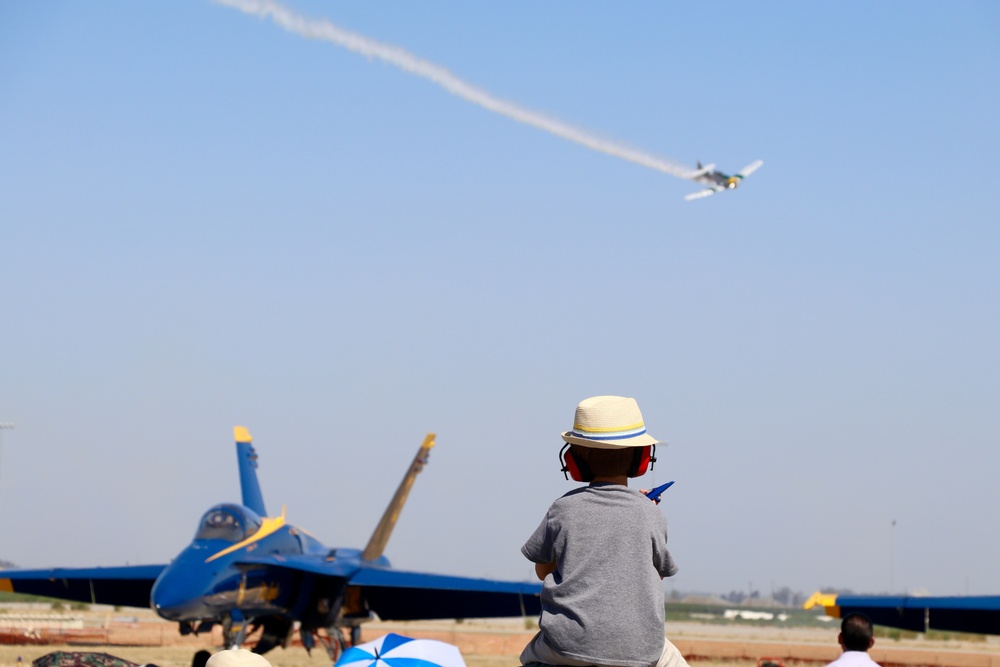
(175,598)
(171,605)
(180,592)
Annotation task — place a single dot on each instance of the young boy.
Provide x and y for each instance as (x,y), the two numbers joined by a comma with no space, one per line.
(601,550)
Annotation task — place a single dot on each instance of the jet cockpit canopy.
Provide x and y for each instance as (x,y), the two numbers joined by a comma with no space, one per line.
(229,522)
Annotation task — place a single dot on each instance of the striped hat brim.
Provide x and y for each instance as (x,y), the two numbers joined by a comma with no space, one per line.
(610,440)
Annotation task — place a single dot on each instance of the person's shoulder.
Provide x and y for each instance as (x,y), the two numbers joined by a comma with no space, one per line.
(567,499)
(569,496)
(639,498)
(853,659)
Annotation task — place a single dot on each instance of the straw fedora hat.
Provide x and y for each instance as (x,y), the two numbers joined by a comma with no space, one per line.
(237,657)
(608,422)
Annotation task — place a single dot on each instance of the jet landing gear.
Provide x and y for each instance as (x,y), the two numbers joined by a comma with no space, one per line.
(234,630)
(332,640)
(188,628)
(276,632)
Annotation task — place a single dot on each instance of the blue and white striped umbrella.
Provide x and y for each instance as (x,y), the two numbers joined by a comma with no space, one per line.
(397,651)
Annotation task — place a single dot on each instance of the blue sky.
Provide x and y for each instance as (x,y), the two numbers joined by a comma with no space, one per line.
(209,221)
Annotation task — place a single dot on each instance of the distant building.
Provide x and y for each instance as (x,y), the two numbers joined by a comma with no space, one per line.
(28,621)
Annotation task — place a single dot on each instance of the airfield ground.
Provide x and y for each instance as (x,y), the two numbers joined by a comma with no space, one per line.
(139,636)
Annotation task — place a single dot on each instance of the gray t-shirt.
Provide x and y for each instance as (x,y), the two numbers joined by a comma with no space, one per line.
(603,604)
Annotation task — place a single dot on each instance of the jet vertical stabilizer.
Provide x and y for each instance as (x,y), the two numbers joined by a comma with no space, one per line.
(376,545)
(247,457)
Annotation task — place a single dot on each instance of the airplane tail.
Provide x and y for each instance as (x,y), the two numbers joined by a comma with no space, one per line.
(247,458)
(376,545)
(700,171)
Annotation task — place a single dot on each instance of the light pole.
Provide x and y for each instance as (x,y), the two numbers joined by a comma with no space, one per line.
(892,558)
(4,426)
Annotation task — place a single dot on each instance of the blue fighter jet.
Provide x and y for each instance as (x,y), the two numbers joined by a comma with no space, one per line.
(245,571)
(960,613)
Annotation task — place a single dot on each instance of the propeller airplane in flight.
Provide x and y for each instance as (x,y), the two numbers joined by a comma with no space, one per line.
(718,181)
(247,570)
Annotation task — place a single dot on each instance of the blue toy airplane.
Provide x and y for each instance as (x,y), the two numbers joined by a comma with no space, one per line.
(245,569)
(655,494)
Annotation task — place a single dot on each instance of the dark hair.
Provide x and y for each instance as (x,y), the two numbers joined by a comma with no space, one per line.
(605,462)
(856,632)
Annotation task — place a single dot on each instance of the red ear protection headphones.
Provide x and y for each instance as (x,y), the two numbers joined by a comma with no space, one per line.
(643,459)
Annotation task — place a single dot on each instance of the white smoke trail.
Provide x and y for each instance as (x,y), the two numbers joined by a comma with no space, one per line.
(324,30)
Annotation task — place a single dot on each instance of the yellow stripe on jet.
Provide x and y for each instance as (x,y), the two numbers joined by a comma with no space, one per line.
(267,526)
(241,434)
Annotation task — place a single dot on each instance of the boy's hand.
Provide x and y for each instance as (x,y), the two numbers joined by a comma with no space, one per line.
(542,570)
(654,495)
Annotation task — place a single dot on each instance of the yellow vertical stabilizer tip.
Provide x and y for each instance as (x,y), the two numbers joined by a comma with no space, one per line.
(826,600)
(241,434)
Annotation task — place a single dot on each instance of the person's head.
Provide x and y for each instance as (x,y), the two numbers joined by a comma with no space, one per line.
(856,633)
(608,439)
(237,657)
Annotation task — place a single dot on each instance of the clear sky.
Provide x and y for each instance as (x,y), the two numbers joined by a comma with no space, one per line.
(206,220)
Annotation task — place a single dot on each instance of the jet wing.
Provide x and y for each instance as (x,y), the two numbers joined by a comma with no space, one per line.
(127,586)
(404,596)
(978,614)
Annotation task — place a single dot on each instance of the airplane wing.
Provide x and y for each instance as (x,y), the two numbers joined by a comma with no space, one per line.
(404,596)
(749,169)
(397,595)
(702,193)
(978,614)
(127,586)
